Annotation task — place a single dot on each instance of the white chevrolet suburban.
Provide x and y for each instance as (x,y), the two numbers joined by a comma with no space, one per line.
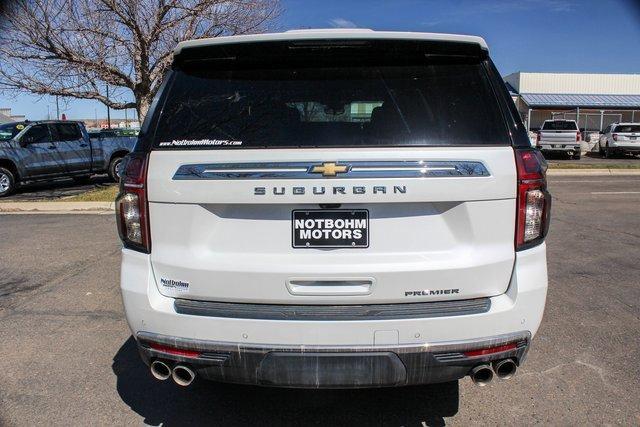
(342,208)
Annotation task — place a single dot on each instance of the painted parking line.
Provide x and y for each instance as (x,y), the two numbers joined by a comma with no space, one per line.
(615,192)
(589,181)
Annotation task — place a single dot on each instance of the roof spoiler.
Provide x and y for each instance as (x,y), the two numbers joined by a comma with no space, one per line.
(356,50)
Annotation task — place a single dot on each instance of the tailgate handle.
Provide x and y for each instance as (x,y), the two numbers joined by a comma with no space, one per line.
(330,287)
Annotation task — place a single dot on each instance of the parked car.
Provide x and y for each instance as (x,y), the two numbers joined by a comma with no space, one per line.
(131,132)
(113,133)
(277,233)
(43,150)
(560,136)
(620,138)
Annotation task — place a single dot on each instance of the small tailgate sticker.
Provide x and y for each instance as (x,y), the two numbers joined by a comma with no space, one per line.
(175,285)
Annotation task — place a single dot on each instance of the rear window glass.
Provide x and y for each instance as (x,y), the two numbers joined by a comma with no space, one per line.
(65,132)
(430,104)
(627,128)
(559,125)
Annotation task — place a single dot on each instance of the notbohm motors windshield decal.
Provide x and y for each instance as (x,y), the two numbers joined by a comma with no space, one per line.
(199,143)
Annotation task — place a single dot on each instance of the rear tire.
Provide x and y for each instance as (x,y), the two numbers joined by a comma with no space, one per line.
(114,169)
(7,182)
(577,156)
(608,154)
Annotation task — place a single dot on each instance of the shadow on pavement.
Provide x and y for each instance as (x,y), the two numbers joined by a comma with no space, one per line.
(164,403)
(57,188)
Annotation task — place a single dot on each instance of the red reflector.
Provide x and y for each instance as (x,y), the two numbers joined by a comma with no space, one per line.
(490,350)
(175,351)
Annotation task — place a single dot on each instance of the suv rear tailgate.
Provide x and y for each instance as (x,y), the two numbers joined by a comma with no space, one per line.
(441,238)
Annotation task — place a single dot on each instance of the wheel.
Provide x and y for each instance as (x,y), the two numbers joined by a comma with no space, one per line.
(115,168)
(600,150)
(7,182)
(607,152)
(577,156)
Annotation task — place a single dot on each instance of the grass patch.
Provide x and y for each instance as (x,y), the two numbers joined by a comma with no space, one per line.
(630,165)
(105,194)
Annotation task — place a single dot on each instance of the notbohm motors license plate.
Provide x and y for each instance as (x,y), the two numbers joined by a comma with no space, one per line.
(330,228)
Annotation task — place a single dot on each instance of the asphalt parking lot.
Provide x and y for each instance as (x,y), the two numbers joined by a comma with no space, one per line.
(592,158)
(67,357)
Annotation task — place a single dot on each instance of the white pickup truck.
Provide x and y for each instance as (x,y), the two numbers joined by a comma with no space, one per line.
(559,136)
(301,211)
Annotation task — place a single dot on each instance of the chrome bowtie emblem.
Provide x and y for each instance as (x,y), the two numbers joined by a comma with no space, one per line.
(330,169)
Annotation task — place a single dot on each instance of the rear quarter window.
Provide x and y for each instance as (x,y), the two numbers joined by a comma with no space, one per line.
(65,132)
(627,128)
(423,103)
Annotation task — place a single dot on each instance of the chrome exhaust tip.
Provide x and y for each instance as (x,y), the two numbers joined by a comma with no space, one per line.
(160,370)
(183,375)
(505,368)
(481,375)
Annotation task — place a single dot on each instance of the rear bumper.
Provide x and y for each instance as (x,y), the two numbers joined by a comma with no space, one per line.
(623,147)
(332,367)
(260,351)
(560,148)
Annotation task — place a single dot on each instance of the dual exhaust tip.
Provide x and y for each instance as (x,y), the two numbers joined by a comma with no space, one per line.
(504,369)
(181,374)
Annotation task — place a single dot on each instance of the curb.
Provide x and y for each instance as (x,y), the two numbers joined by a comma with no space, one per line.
(592,172)
(57,207)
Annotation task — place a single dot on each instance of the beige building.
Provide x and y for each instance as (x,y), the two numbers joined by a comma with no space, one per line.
(6,116)
(593,100)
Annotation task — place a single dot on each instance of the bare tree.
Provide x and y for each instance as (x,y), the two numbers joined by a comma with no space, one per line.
(76,48)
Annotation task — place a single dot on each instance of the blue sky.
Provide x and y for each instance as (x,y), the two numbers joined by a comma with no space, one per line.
(591,36)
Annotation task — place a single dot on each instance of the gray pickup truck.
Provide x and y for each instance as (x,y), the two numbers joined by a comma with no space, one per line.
(45,150)
(559,136)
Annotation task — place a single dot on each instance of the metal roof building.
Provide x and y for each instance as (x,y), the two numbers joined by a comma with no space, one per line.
(593,100)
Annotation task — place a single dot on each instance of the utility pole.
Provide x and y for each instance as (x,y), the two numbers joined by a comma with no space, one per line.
(108,112)
(126,121)
(57,109)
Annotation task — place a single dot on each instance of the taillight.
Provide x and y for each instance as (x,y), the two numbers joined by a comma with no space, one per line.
(614,136)
(538,138)
(533,199)
(132,210)
(578,136)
